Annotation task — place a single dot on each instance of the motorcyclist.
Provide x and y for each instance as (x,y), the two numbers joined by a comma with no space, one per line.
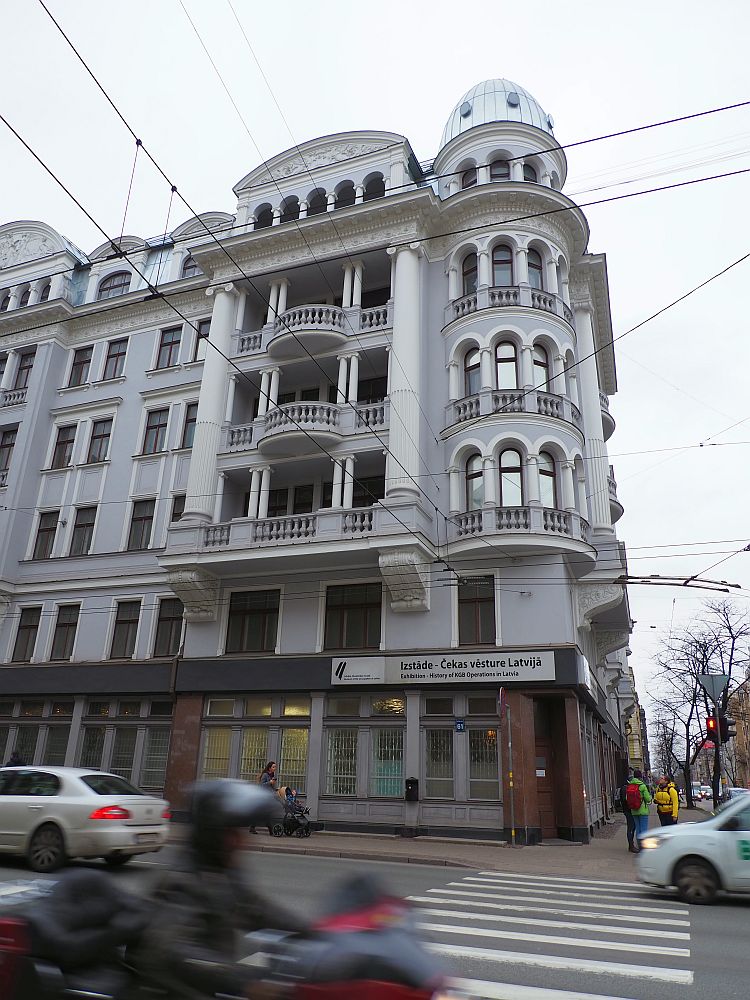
(200,912)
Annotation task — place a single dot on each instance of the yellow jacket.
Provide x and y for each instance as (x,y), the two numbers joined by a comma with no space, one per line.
(667,800)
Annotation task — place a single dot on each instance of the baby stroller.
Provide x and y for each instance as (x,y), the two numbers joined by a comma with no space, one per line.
(295,822)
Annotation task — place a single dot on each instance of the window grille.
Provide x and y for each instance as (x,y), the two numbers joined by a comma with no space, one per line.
(92,747)
(215,762)
(56,746)
(254,753)
(293,758)
(484,766)
(123,752)
(26,742)
(439,763)
(387,763)
(4,731)
(155,754)
(341,762)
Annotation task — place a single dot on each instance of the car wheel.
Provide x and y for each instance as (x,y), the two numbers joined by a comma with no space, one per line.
(696,881)
(117,860)
(46,851)
(277,830)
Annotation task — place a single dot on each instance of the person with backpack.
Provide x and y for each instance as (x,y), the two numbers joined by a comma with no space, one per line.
(638,799)
(622,793)
(667,801)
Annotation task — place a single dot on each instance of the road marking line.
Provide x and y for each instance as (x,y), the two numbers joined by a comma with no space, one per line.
(512,991)
(682,976)
(550,893)
(568,942)
(566,878)
(659,921)
(564,924)
(620,907)
(637,892)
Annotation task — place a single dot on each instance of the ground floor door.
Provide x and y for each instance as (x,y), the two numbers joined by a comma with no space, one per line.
(545,766)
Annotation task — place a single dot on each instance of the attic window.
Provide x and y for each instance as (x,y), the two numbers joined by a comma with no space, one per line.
(114,284)
(190,268)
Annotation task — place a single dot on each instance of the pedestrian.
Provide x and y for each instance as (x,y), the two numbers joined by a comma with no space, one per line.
(268,781)
(630,822)
(667,801)
(638,798)
(15,760)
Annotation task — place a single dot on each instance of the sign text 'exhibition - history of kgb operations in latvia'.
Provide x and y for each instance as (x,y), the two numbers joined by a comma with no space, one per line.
(437,669)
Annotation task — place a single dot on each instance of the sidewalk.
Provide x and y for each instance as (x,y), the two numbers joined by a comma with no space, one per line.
(606,857)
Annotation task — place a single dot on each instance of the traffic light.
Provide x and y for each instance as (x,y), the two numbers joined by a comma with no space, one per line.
(726,727)
(711,727)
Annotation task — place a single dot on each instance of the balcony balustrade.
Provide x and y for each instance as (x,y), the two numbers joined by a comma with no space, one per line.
(499,401)
(616,509)
(529,520)
(508,296)
(608,421)
(12,397)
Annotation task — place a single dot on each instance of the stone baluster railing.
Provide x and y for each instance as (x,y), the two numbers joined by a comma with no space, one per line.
(371,414)
(240,438)
(216,535)
(358,522)
(285,529)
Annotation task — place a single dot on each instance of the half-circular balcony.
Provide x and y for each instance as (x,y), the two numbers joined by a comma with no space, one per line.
(299,428)
(616,509)
(508,296)
(543,525)
(608,421)
(318,327)
(494,402)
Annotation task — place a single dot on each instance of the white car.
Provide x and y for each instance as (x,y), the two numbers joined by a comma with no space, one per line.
(701,858)
(50,814)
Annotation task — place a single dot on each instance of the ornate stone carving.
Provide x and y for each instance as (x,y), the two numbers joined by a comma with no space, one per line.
(198,591)
(323,155)
(19,247)
(609,641)
(594,598)
(404,573)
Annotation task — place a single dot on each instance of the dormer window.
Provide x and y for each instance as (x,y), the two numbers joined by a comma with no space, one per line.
(114,285)
(468,178)
(500,170)
(190,267)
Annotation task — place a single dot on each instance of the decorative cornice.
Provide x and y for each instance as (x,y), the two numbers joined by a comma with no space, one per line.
(198,591)
(596,598)
(404,573)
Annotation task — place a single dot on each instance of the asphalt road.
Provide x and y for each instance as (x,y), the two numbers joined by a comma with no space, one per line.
(529,937)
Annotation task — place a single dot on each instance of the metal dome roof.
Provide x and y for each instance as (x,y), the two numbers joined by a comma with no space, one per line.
(495,101)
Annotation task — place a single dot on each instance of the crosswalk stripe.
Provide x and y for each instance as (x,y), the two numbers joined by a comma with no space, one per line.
(683,977)
(659,921)
(548,939)
(512,991)
(634,893)
(485,893)
(661,934)
(567,878)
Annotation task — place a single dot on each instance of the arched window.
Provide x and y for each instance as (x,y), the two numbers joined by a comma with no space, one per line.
(472,372)
(506,365)
(541,367)
(317,202)
(190,267)
(25,298)
(500,170)
(114,284)
(263,217)
(474,483)
(345,196)
(5,302)
(502,265)
(290,209)
(469,273)
(468,178)
(511,483)
(374,188)
(547,484)
(529,174)
(45,292)
(535,269)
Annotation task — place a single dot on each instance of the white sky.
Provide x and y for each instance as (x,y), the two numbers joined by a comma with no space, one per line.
(597,67)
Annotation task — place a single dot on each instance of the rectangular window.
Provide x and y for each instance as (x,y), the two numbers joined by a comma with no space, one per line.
(100,708)
(257,706)
(115,361)
(28,626)
(83,531)
(188,430)
(63,450)
(178,508)
(61,709)
(129,709)
(92,747)
(285,397)
(26,739)
(4,734)
(367,491)
(298,704)
(155,753)
(56,746)
(293,758)
(254,754)
(168,627)
(101,431)
(476,611)
(160,709)
(439,763)
(387,763)
(156,431)
(6,708)
(45,534)
(169,348)
(341,762)
(353,616)
(23,373)
(343,705)
(141,523)
(372,390)
(7,441)
(32,709)
(65,631)
(79,372)
(126,628)
(123,751)
(220,707)
(484,765)
(278,503)
(388,705)
(438,706)
(253,621)
(482,704)
(199,348)
(303,500)
(215,760)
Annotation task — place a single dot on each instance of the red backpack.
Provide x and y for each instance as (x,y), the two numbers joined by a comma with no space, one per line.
(633,797)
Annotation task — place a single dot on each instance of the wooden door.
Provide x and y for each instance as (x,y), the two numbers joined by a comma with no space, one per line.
(544,767)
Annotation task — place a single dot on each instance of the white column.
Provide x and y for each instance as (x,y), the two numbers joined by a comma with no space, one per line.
(532,479)
(265,381)
(273,299)
(346,296)
(251,221)
(199,502)
(276,217)
(527,366)
(490,482)
(483,273)
(303,210)
(57,287)
(573,381)
(273,392)
(454,490)
(341,386)
(338,474)
(389,364)
(546,179)
(565,290)
(588,387)
(583,508)
(483,173)
(9,374)
(359,194)
(229,411)
(452,186)
(452,283)
(330,201)
(241,305)
(178,259)
(453,391)
(348,482)
(14,297)
(357,288)
(402,465)
(283,289)
(568,490)
(219,498)
(558,374)
(516,170)
(265,485)
(522,266)
(551,285)
(252,506)
(485,356)
(353,378)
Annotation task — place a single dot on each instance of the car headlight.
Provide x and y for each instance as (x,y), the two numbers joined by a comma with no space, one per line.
(650,843)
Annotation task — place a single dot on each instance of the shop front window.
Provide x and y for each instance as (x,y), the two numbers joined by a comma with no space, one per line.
(439,763)
(254,753)
(484,768)
(387,763)
(215,759)
(341,762)
(293,758)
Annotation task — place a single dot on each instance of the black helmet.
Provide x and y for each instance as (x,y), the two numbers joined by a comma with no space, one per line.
(218,805)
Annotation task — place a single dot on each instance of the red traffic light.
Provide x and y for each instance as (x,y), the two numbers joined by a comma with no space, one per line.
(711,723)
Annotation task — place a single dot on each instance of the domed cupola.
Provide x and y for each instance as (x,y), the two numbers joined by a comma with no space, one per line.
(495,101)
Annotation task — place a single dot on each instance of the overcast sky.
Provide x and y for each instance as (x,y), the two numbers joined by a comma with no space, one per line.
(597,67)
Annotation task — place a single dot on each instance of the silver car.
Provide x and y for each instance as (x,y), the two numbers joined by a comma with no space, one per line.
(50,814)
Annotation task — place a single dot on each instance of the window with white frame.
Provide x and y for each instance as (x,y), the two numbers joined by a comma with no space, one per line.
(65,631)
(292,767)
(474,483)
(254,753)
(484,764)
(216,749)
(387,763)
(476,611)
(341,762)
(439,763)
(547,482)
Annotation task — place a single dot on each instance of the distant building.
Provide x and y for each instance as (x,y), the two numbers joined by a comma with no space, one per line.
(738,750)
